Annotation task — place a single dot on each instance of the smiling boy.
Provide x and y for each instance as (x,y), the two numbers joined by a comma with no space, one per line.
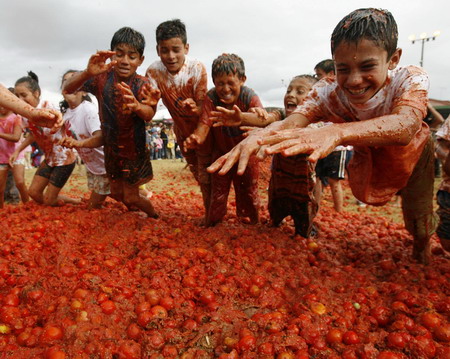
(374,106)
(230,94)
(126,103)
(183,85)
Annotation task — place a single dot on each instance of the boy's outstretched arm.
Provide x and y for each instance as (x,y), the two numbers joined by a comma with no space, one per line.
(92,142)
(40,117)
(251,145)
(96,65)
(257,117)
(197,137)
(396,129)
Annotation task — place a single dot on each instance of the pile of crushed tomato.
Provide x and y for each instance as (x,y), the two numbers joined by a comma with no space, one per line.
(110,283)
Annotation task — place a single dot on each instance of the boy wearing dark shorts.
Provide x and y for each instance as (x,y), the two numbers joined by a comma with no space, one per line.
(126,103)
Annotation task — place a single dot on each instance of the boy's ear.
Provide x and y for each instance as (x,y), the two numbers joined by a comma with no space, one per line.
(186,48)
(395,59)
(157,49)
(142,60)
(243,79)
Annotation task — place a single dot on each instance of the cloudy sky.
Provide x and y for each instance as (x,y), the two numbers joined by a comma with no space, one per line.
(277,39)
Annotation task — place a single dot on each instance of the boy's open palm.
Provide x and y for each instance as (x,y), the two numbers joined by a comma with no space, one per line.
(318,142)
(97,63)
(190,106)
(150,95)
(47,118)
(130,101)
(225,117)
(240,154)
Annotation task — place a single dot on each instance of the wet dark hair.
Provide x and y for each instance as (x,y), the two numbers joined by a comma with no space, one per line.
(32,82)
(326,66)
(377,25)
(129,36)
(228,64)
(170,29)
(64,105)
(311,78)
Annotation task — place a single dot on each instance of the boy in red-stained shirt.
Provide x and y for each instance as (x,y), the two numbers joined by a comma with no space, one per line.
(182,82)
(126,103)
(233,99)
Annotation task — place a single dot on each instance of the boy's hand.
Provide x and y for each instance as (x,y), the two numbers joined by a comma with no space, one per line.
(192,142)
(241,153)
(69,142)
(318,142)
(47,118)
(260,112)
(97,62)
(225,117)
(130,101)
(190,106)
(150,95)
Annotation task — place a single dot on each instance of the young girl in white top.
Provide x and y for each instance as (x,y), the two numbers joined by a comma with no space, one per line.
(83,128)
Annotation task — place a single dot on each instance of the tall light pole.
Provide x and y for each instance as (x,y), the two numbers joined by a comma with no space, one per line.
(422,38)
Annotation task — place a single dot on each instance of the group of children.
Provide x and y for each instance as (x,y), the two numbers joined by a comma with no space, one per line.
(371,104)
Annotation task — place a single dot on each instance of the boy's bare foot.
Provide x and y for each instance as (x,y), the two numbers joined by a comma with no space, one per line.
(422,252)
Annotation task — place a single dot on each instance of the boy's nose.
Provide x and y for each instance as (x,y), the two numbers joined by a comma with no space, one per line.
(354,78)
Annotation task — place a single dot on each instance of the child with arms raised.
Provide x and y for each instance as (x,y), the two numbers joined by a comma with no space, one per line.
(126,103)
(82,123)
(230,94)
(374,106)
(55,170)
(183,85)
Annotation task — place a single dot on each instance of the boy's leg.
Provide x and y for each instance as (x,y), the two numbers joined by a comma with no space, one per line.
(132,197)
(246,191)
(220,188)
(337,193)
(417,204)
(443,230)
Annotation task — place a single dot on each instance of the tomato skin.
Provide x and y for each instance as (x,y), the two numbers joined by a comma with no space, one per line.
(396,340)
(51,334)
(388,355)
(266,349)
(430,320)
(334,336)
(350,337)
(442,333)
(129,349)
(133,331)
(381,314)
(246,343)
(108,307)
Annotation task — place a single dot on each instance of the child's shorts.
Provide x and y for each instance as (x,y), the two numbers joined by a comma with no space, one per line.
(57,175)
(98,183)
(131,171)
(332,166)
(4,166)
(443,229)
